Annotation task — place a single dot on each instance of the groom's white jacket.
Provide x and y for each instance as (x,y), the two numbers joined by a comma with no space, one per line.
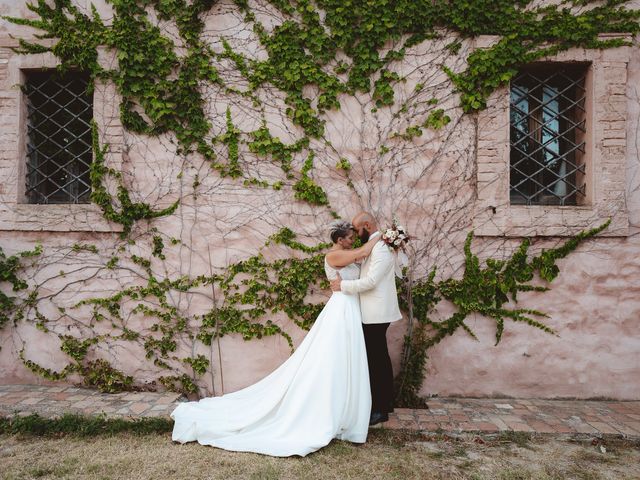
(376,286)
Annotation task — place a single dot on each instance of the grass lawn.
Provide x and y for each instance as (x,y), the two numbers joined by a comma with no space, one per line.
(387,454)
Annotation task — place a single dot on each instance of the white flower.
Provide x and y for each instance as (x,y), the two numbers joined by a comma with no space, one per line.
(398,242)
(391,234)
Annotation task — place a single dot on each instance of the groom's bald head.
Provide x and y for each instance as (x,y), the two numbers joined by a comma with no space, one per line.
(362,218)
(364,224)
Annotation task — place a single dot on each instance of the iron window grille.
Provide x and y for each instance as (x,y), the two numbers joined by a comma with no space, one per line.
(548,126)
(59,147)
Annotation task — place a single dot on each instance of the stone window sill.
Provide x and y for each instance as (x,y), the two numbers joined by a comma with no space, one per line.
(548,221)
(55,218)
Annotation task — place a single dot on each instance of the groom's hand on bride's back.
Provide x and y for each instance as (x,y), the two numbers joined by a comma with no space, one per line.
(335,283)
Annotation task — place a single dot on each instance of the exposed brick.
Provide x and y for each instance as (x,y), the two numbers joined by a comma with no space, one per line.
(484,427)
(614,125)
(616,89)
(405,417)
(615,134)
(604,427)
(428,426)
(612,116)
(612,74)
(608,142)
(393,423)
(139,407)
(620,54)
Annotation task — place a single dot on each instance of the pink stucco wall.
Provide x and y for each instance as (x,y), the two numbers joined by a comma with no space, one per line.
(594,305)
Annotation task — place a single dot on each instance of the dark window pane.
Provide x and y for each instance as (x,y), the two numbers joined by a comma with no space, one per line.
(59,153)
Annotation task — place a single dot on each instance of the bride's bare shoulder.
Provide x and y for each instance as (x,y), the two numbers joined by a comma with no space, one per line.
(332,256)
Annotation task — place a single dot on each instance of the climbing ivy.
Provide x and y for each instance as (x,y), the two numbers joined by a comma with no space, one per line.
(160,90)
(250,290)
(482,290)
(129,211)
(307,189)
(334,46)
(10,273)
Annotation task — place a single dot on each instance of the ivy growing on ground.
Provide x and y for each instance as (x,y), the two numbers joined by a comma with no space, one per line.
(334,46)
(81,426)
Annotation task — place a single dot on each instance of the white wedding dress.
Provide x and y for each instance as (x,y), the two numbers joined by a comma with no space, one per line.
(321,392)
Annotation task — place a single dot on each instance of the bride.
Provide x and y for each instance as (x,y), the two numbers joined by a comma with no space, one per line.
(321,392)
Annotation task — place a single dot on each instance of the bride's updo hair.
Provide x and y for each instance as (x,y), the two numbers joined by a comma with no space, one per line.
(339,229)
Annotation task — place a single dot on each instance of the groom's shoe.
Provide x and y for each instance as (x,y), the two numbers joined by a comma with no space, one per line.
(378,417)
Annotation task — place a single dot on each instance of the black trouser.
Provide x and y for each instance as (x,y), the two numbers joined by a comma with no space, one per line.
(380,372)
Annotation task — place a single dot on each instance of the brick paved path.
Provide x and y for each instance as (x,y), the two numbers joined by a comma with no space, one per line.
(51,401)
(454,415)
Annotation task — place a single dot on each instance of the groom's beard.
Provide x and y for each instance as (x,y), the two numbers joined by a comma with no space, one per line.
(364,236)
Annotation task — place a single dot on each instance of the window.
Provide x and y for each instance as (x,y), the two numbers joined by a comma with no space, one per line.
(48,126)
(59,150)
(552,148)
(547,135)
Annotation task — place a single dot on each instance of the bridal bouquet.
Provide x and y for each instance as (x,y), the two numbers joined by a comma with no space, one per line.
(395,237)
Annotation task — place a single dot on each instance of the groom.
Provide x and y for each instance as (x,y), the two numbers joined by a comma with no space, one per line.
(379,305)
